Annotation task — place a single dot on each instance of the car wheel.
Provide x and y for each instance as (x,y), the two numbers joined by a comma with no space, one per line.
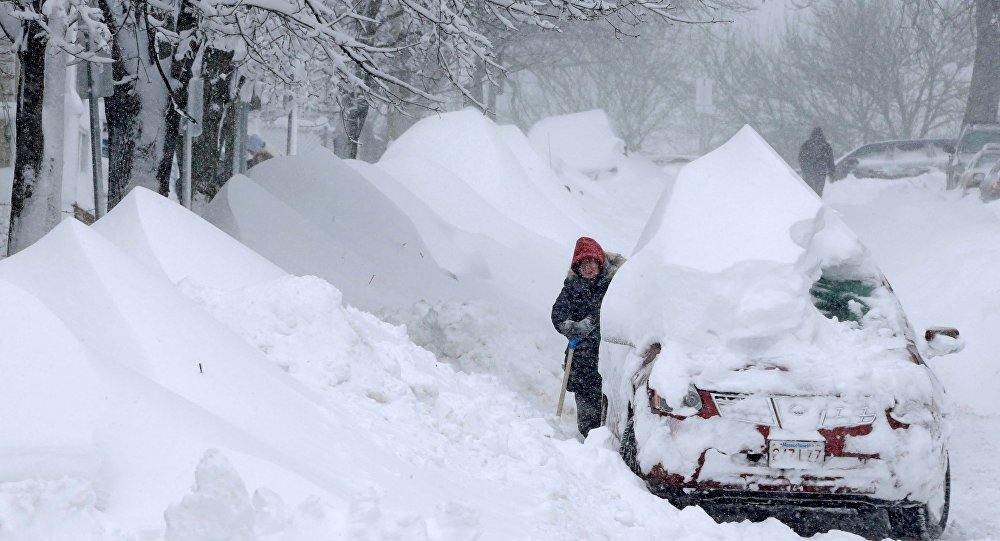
(916,523)
(628,448)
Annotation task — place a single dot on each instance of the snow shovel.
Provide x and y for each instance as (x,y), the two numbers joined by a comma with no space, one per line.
(565,381)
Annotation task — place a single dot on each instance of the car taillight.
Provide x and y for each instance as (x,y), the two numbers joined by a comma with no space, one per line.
(911,412)
(658,404)
(996,187)
(691,400)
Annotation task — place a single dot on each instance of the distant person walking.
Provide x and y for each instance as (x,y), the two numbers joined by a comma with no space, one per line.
(576,314)
(816,161)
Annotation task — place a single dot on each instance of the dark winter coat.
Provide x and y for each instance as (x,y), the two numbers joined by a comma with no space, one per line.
(579,299)
(816,157)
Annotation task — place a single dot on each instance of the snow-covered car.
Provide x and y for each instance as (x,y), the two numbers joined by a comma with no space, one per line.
(770,369)
(971,140)
(895,159)
(978,166)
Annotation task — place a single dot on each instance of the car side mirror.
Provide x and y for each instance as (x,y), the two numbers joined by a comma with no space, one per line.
(943,341)
(950,149)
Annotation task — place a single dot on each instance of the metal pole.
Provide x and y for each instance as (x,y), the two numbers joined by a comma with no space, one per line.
(100,200)
(240,143)
(186,167)
(292,146)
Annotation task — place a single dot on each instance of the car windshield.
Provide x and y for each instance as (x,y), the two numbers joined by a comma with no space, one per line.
(975,141)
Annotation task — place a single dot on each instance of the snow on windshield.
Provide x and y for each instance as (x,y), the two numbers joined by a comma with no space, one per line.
(748,280)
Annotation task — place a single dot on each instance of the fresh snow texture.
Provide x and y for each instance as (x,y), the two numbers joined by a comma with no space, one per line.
(582,142)
(309,418)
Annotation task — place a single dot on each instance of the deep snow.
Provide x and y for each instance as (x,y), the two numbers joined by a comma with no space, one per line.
(168,383)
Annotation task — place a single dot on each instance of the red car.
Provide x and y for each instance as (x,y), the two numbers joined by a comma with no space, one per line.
(738,446)
(773,372)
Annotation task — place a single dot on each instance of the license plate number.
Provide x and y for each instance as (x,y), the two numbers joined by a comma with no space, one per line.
(795,453)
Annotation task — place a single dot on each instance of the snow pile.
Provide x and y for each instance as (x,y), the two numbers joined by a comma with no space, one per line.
(583,142)
(732,250)
(164,237)
(313,214)
(495,163)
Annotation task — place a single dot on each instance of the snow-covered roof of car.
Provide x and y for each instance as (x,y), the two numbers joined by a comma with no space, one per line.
(741,265)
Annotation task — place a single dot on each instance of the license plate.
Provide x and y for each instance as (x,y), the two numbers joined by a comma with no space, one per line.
(795,453)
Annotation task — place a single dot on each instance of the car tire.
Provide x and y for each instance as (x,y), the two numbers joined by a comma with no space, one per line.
(916,522)
(628,448)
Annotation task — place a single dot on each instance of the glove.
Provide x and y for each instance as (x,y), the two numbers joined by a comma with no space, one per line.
(576,329)
(584,327)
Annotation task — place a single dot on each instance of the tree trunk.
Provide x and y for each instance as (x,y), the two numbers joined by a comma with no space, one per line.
(212,159)
(354,115)
(29,136)
(479,78)
(356,106)
(36,198)
(984,90)
(180,72)
(137,111)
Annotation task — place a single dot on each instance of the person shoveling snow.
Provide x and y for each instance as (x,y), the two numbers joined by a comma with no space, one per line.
(576,314)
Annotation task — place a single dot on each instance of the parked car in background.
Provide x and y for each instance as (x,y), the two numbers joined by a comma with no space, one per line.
(895,159)
(989,188)
(980,163)
(971,140)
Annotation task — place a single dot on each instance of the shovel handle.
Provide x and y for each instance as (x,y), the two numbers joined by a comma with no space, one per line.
(565,381)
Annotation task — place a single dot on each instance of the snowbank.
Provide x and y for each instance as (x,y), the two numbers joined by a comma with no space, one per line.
(494,163)
(314,214)
(582,142)
(733,248)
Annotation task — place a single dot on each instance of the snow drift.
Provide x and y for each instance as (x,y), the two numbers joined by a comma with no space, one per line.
(583,142)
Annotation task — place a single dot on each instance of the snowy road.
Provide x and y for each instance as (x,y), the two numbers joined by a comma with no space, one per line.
(974,478)
(940,252)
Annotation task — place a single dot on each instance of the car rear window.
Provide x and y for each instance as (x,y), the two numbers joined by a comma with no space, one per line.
(845,300)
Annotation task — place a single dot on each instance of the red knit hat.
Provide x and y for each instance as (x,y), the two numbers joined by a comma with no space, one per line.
(587,248)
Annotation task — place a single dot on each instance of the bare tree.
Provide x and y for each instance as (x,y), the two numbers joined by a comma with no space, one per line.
(984,90)
(640,82)
(312,47)
(36,196)
(862,70)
